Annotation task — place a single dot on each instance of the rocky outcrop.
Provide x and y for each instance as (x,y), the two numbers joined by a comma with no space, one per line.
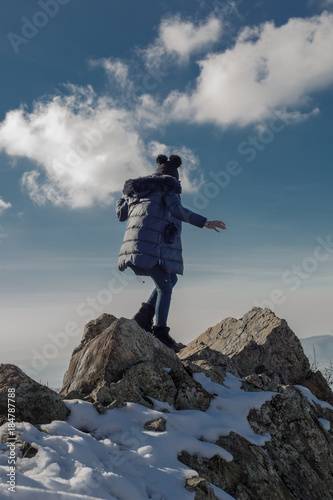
(34,402)
(118,362)
(121,362)
(295,464)
(258,344)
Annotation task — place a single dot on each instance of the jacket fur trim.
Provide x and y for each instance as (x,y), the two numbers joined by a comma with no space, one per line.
(158,182)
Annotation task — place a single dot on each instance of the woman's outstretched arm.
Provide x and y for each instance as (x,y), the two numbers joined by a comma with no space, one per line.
(173,203)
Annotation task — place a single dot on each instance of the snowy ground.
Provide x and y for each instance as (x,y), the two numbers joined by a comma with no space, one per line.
(111,456)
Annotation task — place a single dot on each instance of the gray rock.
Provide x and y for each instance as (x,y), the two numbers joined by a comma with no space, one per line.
(318,385)
(262,382)
(125,363)
(301,450)
(158,425)
(99,407)
(34,402)
(297,463)
(94,328)
(28,451)
(117,403)
(208,361)
(201,487)
(258,344)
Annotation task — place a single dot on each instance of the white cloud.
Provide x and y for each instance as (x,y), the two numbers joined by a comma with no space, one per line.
(180,39)
(268,68)
(114,68)
(4,206)
(83,148)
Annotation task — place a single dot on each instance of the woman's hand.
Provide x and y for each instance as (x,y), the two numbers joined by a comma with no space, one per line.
(214,224)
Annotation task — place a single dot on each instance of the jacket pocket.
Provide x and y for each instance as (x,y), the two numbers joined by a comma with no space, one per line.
(170,233)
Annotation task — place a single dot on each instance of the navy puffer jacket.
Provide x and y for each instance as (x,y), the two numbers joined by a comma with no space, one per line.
(154,213)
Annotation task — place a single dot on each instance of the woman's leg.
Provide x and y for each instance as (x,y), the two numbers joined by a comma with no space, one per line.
(153,297)
(164,283)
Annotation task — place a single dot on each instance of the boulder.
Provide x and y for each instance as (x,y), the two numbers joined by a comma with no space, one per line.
(34,403)
(122,362)
(259,347)
(259,342)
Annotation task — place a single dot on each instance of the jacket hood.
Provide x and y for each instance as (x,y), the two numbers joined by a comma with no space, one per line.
(157,182)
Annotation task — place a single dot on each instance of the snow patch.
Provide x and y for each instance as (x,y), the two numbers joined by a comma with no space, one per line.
(325,423)
(111,455)
(311,398)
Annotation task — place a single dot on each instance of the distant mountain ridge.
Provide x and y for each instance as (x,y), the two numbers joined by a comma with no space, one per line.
(319,349)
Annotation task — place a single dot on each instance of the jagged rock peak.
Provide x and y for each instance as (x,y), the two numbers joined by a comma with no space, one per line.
(259,342)
(122,362)
(259,346)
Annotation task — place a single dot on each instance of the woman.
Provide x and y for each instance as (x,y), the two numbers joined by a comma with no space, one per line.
(152,244)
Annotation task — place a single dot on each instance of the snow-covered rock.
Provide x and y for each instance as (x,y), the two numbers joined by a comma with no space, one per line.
(237,415)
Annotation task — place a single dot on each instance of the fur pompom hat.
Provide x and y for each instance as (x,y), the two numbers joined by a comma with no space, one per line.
(168,167)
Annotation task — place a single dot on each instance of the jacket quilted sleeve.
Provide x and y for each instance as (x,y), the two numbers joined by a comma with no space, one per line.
(122,209)
(174,205)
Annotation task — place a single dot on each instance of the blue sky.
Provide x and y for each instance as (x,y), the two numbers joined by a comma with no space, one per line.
(91,92)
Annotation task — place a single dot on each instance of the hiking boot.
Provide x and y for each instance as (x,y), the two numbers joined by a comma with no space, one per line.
(162,334)
(144,317)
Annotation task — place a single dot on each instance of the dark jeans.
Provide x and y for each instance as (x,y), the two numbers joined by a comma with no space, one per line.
(161,296)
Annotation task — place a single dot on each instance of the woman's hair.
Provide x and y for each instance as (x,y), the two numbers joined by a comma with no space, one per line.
(161,159)
(175,161)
